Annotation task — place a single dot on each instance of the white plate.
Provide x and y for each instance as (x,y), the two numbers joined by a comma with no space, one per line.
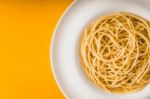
(65,47)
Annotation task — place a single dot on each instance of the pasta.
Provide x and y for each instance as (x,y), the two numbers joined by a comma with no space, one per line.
(115,52)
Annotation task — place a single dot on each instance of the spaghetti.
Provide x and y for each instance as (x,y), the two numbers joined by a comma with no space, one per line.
(115,52)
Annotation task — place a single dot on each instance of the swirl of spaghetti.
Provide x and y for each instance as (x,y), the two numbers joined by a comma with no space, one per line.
(115,52)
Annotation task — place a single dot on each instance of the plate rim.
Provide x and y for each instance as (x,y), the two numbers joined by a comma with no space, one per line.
(52,45)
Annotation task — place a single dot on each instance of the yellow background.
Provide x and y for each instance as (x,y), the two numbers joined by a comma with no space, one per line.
(25,32)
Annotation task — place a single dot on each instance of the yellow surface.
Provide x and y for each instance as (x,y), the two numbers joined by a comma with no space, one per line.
(25,32)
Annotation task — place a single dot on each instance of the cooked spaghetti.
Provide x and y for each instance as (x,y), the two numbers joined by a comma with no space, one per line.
(115,52)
